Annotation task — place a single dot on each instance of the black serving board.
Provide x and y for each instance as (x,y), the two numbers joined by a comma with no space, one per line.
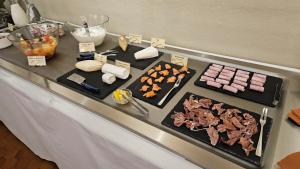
(128,56)
(236,149)
(273,87)
(165,87)
(94,79)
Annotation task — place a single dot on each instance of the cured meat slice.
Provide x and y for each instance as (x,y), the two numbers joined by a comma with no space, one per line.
(230,89)
(236,123)
(215,68)
(257,88)
(222,81)
(171,79)
(144,88)
(229,72)
(150,71)
(219,108)
(144,79)
(243,72)
(168,66)
(260,76)
(179,119)
(230,68)
(158,68)
(239,87)
(206,78)
(247,145)
(213,135)
(228,78)
(240,83)
(214,84)
(164,73)
(258,79)
(184,69)
(150,82)
(241,78)
(221,128)
(149,94)
(155,87)
(175,71)
(160,79)
(217,65)
(209,74)
(154,75)
(257,83)
(205,103)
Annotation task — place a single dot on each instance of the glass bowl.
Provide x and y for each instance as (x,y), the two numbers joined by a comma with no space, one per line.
(93,29)
(36,39)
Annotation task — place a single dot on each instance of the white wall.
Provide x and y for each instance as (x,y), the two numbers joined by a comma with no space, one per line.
(263,30)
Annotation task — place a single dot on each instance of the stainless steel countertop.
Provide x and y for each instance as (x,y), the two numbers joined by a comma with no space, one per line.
(150,128)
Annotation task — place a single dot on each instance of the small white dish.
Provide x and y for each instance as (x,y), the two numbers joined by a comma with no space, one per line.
(4,42)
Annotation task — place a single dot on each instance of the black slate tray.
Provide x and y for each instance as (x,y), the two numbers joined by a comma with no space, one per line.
(236,149)
(273,87)
(92,78)
(128,56)
(137,85)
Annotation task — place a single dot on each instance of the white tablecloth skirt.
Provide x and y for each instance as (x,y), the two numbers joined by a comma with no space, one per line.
(73,137)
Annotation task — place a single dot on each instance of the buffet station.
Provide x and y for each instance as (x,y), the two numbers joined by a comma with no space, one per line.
(210,111)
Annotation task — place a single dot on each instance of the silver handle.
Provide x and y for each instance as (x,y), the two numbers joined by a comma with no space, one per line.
(143,107)
(140,109)
(164,98)
(259,144)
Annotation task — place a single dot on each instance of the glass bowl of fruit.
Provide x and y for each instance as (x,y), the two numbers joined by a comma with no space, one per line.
(36,39)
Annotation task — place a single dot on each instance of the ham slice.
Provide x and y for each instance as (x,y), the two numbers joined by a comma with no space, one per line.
(257,88)
(243,75)
(230,88)
(221,76)
(213,135)
(225,82)
(214,84)
(230,68)
(258,79)
(206,78)
(260,76)
(215,68)
(240,83)
(257,83)
(243,72)
(231,73)
(241,78)
(218,66)
(209,74)
(239,87)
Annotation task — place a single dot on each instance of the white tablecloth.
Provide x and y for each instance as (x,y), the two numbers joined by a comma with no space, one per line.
(73,137)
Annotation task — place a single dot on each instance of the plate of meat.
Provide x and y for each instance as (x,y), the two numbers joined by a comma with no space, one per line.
(225,127)
(154,84)
(256,87)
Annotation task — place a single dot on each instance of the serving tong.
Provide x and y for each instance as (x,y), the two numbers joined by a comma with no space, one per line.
(109,53)
(262,121)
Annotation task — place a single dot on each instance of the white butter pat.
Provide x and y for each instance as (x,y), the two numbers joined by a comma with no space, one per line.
(89,65)
(108,78)
(147,53)
(119,72)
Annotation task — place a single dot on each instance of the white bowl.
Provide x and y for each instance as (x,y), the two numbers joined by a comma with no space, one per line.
(4,42)
(96,35)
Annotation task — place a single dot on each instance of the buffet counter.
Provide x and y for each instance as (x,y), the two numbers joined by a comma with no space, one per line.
(284,137)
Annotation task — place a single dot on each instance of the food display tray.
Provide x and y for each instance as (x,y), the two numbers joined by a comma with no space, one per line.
(165,87)
(273,88)
(94,79)
(128,56)
(235,150)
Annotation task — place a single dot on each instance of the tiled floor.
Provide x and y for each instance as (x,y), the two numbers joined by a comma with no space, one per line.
(15,155)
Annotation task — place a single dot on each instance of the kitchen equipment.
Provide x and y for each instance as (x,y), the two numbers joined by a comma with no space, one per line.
(19,16)
(166,96)
(81,81)
(4,42)
(262,121)
(37,39)
(93,29)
